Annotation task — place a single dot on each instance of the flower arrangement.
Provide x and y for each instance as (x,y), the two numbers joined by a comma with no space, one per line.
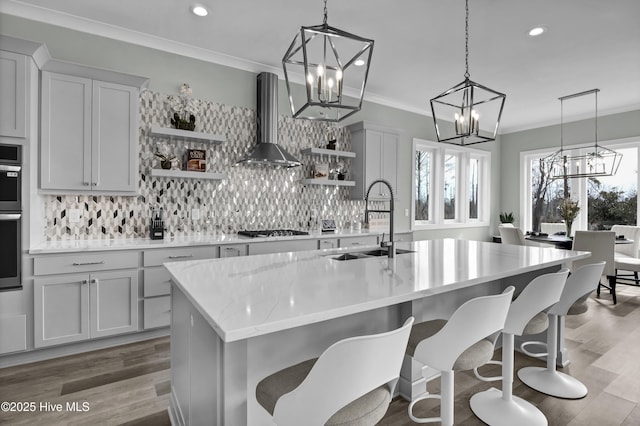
(569,210)
(184,108)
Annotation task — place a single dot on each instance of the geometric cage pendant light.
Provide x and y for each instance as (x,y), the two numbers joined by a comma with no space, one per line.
(596,162)
(330,60)
(469,112)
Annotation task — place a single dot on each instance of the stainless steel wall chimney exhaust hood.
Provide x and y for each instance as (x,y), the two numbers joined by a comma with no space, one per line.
(268,152)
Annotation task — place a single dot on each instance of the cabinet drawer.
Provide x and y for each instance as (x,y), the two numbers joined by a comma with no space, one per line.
(234,250)
(370,240)
(157,282)
(159,256)
(157,312)
(282,246)
(81,262)
(329,243)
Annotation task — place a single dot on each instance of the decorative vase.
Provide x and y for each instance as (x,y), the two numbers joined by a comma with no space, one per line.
(568,224)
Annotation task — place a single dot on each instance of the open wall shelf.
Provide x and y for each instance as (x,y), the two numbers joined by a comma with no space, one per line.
(186,135)
(328,182)
(186,174)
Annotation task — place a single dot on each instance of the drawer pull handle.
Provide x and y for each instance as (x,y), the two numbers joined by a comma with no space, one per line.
(184,256)
(88,263)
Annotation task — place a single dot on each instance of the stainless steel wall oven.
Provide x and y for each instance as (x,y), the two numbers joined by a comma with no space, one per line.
(10,217)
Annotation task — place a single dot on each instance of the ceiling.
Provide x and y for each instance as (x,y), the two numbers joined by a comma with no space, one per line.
(419,44)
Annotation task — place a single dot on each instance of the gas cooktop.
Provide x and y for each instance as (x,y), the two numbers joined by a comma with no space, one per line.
(272,233)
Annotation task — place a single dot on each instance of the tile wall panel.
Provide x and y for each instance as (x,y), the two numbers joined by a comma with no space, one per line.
(251,197)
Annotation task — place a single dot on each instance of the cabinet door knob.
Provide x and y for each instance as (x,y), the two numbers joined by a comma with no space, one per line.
(85,282)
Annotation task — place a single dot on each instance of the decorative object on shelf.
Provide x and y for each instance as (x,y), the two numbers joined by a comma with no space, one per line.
(184,107)
(314,56)
(600,161)
(458,111)
(506,217)
(320,171)
(569,210)
(332,137)
(195,160)
(166,160)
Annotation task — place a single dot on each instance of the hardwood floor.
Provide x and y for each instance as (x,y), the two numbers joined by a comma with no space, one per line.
(129,384)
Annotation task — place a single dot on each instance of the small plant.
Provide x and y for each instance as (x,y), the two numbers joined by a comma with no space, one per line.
(506,217)
(165,159)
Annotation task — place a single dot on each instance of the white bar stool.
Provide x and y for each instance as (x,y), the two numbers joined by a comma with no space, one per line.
(449,345)
(548,380)
(350,384)
(526,316)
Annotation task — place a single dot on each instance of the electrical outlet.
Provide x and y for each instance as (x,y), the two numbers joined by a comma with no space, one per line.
(406,212)
(74,215)
(195,214)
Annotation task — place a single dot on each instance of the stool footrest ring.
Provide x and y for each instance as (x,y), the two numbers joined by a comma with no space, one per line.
(488,379)
(523,348)
(423,419)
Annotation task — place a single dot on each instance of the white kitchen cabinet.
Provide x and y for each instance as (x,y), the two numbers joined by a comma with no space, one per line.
(376,158)
(13,94)
(89,135)
(282,246)
(69,308)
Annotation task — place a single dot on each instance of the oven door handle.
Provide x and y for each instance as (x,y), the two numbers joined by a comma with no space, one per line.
(10,216)
(8,168)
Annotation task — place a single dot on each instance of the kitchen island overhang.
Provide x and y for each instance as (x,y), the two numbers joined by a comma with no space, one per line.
(269,311)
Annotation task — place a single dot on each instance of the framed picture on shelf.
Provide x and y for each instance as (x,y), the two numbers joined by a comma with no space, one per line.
(195,160)
(320,171)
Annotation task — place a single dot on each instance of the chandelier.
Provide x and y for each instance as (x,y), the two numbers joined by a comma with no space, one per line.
(597,161)
(458,112)
(330,61)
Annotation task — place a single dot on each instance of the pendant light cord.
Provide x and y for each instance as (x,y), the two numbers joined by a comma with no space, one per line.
(466,40)
(325,13)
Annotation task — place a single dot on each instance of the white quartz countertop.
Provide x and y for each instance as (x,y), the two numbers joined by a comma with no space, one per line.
(244,297)
(70,246)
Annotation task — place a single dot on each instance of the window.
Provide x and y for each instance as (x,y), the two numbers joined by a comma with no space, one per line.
(450,185)
(604,201)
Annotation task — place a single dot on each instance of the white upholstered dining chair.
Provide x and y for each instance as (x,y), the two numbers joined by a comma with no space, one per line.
(601,244)
(512,235)
(626,255)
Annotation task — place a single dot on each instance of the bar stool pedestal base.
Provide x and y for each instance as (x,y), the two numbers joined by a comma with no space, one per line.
(493,409)
(552,382)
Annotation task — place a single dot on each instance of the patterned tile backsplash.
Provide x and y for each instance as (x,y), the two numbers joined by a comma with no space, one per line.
(250,197)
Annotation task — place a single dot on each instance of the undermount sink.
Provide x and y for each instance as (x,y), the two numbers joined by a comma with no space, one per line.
(368,253)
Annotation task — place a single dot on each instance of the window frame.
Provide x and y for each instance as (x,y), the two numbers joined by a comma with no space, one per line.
(579,190)
(439,152)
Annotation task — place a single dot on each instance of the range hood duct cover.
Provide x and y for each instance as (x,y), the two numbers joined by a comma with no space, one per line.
(268,152)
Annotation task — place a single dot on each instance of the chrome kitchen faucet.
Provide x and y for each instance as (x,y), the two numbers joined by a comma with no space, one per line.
(391,252)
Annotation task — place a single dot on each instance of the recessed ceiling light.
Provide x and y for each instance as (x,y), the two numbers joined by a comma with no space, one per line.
(536,31)
(359,63)
(199,10)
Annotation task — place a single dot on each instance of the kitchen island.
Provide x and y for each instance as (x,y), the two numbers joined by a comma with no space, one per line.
(237,320)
